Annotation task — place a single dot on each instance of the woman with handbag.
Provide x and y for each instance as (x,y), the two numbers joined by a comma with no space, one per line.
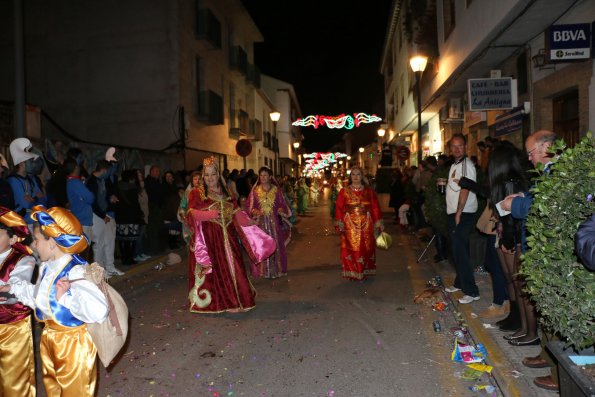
(268,207)
(68,354)
(507,174)
(357,216)
(217,277)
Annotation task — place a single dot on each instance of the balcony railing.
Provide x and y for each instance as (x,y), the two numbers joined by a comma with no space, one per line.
(238,60)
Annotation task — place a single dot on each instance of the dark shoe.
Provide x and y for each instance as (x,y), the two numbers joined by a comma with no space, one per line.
(546,382)
(535,362)
(513,321)
(518,342)
(514,336)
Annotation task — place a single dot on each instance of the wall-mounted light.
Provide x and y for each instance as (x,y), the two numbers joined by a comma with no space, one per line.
(296,145)
(540,60)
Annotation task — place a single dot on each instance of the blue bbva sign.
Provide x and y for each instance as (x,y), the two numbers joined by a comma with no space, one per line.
(569,42)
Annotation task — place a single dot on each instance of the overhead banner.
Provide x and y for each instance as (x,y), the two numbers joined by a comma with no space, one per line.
(492,94)
(568,42)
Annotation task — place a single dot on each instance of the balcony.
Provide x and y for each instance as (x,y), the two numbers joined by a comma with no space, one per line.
(210,107)
(208,28)
(238,60)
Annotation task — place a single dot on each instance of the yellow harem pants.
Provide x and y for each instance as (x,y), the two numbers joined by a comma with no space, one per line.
(17,362)
(69,360)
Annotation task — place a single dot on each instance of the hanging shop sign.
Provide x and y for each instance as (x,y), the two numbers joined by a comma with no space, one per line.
(509,122)
(568,42)
(492,94)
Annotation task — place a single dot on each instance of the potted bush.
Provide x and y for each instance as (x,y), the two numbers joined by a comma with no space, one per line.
(562,288)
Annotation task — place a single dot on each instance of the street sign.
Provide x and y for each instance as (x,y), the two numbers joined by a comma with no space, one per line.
(403,152)
(492,94)
(244,147)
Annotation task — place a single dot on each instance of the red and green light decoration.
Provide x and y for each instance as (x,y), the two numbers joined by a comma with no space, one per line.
(317,161)
(346,121)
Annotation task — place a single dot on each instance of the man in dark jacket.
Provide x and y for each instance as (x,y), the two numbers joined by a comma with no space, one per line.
(104,222)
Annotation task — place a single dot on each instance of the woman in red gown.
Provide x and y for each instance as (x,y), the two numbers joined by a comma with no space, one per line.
(217,278)
(357,214)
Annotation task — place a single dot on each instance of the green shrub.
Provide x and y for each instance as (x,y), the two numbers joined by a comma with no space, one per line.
(562,288)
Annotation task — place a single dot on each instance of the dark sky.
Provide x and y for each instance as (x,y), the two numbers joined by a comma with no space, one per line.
(330,51)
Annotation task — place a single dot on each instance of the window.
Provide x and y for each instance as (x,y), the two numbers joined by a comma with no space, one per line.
(448,15)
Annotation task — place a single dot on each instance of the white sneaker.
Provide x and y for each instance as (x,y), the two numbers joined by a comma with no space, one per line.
(468,299)
(139,258)
(145,257)
(452,289)
(115,272)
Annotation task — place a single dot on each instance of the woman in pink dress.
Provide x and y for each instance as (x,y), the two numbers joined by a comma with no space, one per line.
(267,205)
(217,278)
(357,215)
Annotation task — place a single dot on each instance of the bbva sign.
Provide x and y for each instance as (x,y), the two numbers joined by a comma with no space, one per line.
(567,42)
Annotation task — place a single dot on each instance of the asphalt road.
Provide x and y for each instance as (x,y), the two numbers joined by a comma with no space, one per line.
(311,334)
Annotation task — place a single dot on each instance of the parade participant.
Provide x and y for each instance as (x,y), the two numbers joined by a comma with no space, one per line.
(335,189)
(357,215)
(217,278)
(17,362)
(195,183)
(267,205)
(68,355)
(314,192)
(302,196)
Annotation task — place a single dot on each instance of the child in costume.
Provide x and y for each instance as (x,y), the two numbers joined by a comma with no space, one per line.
(67,352)
(17,362)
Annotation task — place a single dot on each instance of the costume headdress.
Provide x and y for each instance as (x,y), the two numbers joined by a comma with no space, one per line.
(18,226)
(212,162)
(63,227)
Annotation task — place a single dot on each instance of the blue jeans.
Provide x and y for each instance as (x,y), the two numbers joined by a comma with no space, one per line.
(459,239)
(493,266)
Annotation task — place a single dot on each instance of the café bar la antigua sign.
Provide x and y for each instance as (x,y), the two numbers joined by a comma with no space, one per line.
(492,94)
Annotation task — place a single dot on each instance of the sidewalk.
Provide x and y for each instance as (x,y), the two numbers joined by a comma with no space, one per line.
(513,378)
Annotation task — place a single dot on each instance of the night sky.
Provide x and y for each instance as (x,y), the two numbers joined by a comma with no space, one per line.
(330,51)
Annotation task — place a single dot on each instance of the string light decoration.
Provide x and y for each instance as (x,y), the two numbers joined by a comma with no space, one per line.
(343,120)
(317,161)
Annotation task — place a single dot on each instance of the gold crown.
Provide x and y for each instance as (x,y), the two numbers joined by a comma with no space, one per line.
(209,161)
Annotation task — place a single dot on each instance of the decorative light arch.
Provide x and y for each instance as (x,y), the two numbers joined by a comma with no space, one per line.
(341,121)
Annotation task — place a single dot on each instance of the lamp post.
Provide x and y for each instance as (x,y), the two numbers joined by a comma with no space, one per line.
(418,65)
(361,157)
(296,146)
(381,132)
(275,116)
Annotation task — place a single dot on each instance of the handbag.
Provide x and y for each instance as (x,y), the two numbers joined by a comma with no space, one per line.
(384,241)
(487,221)
(110,335)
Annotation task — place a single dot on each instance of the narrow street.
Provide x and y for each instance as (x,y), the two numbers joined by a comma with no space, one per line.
(311,333)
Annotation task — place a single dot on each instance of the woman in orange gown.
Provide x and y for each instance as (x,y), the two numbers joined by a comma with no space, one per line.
(357,215)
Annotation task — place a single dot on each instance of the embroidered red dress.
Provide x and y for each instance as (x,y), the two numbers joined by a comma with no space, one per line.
(357,211)
(220,283)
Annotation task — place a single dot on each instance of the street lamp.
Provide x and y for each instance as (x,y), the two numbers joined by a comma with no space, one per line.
(418,65)
(275,116)
(361,156)
(296,146)
(381,132)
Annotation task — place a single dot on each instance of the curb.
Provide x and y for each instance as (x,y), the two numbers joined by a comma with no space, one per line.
(497,358)
(142,267)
